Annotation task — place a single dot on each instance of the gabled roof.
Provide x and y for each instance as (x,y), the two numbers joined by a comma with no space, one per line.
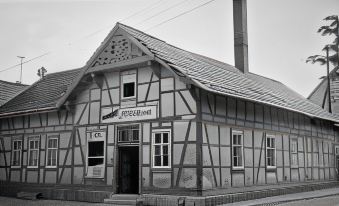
(9,90)
(43,94)
(204,72)
(225,79)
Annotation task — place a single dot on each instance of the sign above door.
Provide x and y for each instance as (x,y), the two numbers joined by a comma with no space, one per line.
(129,114)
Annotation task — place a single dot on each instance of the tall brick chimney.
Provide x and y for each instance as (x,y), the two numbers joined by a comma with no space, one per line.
(240,35)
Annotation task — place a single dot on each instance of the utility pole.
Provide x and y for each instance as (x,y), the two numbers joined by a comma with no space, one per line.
(21,58)
(328,82)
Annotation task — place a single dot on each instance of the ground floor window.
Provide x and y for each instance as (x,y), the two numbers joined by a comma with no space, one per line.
(96,154)
(16,153)
(270,151)
(294,152)
(237,150)
(52,152)
(33,152)
(161,148)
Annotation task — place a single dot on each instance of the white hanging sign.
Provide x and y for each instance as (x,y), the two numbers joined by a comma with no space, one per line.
(130,114)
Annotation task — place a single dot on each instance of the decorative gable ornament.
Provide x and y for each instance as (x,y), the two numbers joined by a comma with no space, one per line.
(118,49)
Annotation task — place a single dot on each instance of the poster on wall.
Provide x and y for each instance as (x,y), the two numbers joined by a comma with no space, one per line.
(129,114)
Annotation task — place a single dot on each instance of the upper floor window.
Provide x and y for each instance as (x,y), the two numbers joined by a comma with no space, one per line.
(128,84)
(52,152)
(270,151)
(33,152)
(237,149)
(161,148)
(16,153)
(294,152)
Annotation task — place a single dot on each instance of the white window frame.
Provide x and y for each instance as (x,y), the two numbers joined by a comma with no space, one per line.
(162,131)
(131,76)
(272,137)
(33,139)
(241,133)
(19,150)
(98,139)
(53,148)
(294,153)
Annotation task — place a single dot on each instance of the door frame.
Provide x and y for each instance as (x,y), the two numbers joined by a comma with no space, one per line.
(117,157)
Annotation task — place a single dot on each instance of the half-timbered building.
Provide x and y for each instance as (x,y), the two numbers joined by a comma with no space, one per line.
(145,117)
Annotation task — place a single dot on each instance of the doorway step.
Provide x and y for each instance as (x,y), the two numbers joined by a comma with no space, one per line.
(122,199)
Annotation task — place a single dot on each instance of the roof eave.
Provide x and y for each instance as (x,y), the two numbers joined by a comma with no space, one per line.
(27,112)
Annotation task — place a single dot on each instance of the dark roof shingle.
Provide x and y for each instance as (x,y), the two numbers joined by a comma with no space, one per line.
(8,90)
(42,94)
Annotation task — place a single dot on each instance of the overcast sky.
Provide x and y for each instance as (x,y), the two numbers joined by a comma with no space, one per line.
(282,33)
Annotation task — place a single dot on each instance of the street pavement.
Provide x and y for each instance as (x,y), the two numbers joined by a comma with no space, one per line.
(325,201)
(327,195)
(7,201)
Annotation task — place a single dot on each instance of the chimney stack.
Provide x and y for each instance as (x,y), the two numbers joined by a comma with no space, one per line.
(240,35)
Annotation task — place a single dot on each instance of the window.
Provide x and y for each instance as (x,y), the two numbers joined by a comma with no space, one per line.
(161,148)
(33,153)
(16,153)
(128,133)
(128,86)
(237,150)
(52,152)
(294,152)
(270,151)
(96,154)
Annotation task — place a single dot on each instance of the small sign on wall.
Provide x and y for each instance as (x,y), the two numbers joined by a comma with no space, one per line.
(129,114)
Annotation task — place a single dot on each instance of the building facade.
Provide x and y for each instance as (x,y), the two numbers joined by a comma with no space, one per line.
(145,117)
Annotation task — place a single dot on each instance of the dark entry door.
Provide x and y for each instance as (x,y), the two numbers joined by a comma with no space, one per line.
(129,170)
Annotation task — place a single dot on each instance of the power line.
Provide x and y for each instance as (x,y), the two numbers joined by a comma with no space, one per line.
(162,11)
(142,10)
(179,15)
(152,6)
(37,57)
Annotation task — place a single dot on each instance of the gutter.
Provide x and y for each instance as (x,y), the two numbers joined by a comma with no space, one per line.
(27,112)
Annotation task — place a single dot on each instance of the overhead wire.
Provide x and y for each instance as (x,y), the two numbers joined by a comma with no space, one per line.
(150,7)
(162,11)
(179,15)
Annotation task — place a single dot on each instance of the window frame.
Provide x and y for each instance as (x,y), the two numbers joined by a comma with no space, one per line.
(16,150)
(54,148)
(274,166)
(130,140)
(169,144)
(238,132)
(128,73)
(101,139)
(33,139)
(294,153)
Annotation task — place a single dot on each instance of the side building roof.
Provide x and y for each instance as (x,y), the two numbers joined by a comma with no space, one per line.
(43,94)
(8,90)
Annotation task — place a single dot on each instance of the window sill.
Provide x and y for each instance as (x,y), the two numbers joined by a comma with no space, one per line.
(16,167)
(161,169)
(238,169)
(271,168)
(89,177)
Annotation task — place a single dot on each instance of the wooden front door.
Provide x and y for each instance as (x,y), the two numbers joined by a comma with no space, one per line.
(129,170)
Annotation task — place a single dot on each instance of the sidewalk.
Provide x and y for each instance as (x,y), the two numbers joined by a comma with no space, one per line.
(289,197)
